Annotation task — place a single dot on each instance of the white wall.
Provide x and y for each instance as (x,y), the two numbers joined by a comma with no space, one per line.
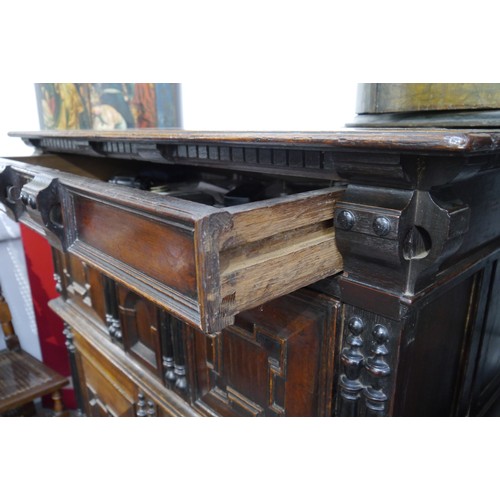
(18,111)
(318,105)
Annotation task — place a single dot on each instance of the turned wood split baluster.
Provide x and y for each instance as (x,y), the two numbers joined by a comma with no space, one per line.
(353,361)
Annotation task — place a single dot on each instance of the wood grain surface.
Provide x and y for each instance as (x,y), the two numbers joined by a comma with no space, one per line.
(361,139)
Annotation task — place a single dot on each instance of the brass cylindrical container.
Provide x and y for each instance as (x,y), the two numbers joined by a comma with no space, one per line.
(428,105)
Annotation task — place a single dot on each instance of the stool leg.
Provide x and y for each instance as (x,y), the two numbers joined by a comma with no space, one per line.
(58,405)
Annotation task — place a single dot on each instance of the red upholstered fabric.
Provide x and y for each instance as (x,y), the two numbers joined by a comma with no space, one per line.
(40,273)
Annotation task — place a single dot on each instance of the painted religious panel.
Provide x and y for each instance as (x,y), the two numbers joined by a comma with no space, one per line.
(108,106)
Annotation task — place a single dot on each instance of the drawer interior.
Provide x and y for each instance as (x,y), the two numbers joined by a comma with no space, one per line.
(213,187)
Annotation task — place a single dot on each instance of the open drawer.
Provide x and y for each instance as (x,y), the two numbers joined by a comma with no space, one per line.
(201,263)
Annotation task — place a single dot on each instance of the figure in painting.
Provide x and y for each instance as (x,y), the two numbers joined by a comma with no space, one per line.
(117,96)
(48,103)
(105,117)
(71,106)
(63,105)
(145,105)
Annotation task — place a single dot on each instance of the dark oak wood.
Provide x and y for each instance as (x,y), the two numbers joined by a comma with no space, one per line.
(370,291)
(277,360)
(451,140)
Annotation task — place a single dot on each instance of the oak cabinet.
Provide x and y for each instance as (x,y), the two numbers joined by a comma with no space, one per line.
(349,273)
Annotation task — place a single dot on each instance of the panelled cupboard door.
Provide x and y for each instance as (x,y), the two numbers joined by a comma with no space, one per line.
(80,283)
(277,360)
(107,390)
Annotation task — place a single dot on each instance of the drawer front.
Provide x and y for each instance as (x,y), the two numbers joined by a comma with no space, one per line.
(200,263)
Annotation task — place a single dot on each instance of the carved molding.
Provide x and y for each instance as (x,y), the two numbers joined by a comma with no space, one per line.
(145,407)
(82,289)
(58,281)
(112,311)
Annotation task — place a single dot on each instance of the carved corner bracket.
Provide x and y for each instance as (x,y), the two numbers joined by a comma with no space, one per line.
(42,199)
(396,239)
(36,201)
(10,191)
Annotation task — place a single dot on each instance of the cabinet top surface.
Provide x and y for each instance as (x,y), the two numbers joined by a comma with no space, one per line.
(395,139)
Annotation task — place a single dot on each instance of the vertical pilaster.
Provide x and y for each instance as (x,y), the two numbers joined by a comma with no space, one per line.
(74,369)
(394,231)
